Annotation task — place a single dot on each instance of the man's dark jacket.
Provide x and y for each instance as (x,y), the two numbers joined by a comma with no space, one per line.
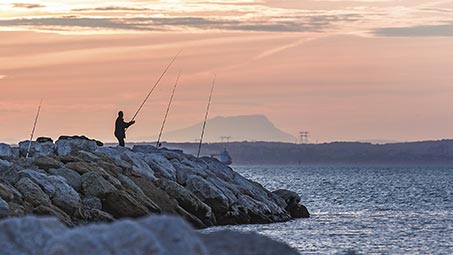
(120,127)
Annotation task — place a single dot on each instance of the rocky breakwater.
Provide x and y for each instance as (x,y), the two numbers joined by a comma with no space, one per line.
(78,180)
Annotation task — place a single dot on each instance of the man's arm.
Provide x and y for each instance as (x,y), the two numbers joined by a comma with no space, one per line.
(128,124)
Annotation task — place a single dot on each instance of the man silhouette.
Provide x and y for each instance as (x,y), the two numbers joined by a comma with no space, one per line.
(120,128)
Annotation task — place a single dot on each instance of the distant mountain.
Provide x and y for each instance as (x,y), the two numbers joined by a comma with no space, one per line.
(239,128)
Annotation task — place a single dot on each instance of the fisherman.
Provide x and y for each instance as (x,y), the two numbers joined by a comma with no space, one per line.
(120,128)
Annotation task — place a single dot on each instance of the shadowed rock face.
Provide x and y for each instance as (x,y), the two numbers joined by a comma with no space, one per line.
(80,182)
(154,235)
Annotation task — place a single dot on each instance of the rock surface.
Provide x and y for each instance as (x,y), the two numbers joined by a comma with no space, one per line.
(293,206)
(80,181)
(154,235)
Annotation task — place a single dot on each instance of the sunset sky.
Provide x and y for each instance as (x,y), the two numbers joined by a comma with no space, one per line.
(343,70)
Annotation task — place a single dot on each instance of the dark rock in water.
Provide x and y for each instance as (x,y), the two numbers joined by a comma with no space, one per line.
(44,140)
(292,200)
(229,242)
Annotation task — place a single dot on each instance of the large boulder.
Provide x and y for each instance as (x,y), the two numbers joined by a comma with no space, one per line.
(56,187)
(45,162)
(4,208)
(94,185)
(8,172)
(293,206)
(51,210)
(229,242)
(187,200)
(41,147)
(120,204)
(6,151)
(72,177)
(31,192)
(68,145)
(161,166)
(9,193)
(28,235)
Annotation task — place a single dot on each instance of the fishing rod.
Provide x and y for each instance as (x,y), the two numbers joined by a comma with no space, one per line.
(168,109)
(206,116)
(34,128)
(155,85)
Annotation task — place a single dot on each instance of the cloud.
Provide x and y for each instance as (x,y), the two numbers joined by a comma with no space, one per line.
(2,76)
(27,5)
(445,30)
(269,24)
(111,8)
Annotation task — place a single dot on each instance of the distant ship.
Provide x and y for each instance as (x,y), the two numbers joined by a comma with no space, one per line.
(223,157)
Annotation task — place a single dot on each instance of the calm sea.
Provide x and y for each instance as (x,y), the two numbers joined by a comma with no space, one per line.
(363,210)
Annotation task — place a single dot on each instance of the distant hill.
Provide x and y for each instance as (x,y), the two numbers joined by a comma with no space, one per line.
(239,128)
(344,153)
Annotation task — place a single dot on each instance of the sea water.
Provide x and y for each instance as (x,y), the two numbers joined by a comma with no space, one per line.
(362,210)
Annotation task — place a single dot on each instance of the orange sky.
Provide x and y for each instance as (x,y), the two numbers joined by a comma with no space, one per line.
(343,70)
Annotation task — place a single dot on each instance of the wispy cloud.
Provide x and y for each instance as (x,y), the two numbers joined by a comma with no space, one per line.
(445,30)
(272,24)
(27,5)
(2,76)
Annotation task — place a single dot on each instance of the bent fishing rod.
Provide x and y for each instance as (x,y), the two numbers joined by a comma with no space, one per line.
(206,116)
(155,85)
(168,109)
(34,128)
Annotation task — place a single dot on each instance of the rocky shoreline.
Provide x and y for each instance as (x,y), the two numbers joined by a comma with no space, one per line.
(80,181)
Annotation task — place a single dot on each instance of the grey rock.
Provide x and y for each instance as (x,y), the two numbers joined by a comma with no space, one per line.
(45,162)
(92,203)
(39,178)
(188,201)
(161,166)
(9,193)
(120,204)
(292,200)
(4,208)
(5,151)
(31,192)
(51,210)
(36,148)
(27,235)
(56,187)
(65,197)
(8,172)
(69,146)
(124,237)
(72,177)
(229,242)
(175,235)
(95,185)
